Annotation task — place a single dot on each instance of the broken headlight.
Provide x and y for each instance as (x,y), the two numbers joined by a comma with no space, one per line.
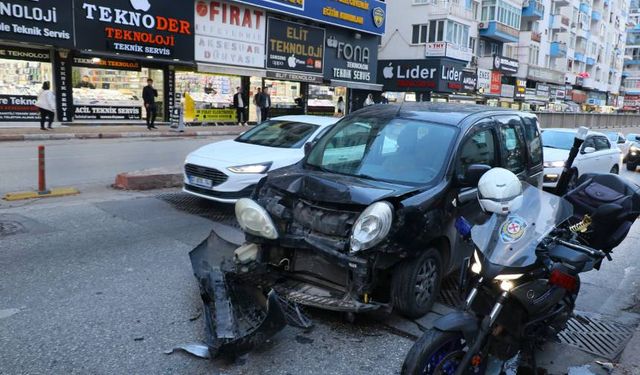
(372,226)
(254,219)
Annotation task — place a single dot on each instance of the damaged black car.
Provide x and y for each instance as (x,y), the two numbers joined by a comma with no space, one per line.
(366,221)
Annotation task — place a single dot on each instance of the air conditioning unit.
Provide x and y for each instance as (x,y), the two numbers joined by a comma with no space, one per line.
(482,25)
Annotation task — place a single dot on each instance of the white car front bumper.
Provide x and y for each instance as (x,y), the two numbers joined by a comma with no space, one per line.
(551,177)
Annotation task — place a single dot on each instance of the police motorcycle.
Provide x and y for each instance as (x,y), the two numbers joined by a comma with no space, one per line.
(524,276)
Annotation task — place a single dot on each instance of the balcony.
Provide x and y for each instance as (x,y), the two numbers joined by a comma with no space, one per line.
(561,3)
(559,22)
(635,61)
(582,33)
(579,56)
(596,16)
(585,8)
(498,31)
(558,49)
(533,10)
(590,61)
(445,8)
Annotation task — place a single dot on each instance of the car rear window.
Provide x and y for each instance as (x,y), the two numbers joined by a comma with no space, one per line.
(281,134)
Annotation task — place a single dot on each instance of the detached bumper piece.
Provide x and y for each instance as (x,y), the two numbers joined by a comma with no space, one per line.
(238,315)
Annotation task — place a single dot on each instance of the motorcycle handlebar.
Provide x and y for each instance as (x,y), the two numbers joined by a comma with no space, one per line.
(584,249)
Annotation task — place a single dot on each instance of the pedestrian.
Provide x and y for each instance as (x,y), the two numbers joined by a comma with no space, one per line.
(369,100)
(85,83)
(239,104)
(340,106)
(265,104)
(47,104)
(384,99)
(257,100)
(149,95)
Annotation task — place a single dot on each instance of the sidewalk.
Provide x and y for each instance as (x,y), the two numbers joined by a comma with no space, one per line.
(114,131)
(630,359)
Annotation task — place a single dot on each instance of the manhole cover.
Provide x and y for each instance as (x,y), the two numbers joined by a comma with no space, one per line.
(9,227)
(450,292)
(596,335)
(218,212)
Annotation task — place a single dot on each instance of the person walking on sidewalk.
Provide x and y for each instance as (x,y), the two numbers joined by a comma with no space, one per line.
(265,104)
(149,95)
(47,104)
(240,103)
(257,100)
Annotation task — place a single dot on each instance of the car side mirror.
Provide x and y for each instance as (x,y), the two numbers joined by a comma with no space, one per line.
(308,147)
(473,174)
(588,150)
(622,141)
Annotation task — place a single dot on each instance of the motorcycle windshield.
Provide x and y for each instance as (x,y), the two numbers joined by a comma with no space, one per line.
(511,240)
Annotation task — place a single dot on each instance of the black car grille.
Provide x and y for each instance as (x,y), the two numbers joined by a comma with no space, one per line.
(212,174)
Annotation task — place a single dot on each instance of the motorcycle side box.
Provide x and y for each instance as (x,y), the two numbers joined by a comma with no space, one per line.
(238,315)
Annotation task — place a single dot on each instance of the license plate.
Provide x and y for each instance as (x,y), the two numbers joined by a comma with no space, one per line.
(199,181)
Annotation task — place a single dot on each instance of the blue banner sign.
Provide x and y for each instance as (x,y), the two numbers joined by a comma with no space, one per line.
(368,16)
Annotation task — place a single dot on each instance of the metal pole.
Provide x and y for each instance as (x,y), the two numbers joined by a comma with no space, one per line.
(42,183)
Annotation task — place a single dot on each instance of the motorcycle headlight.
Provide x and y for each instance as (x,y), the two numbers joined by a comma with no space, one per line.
(251,168)
(554,164)
(372,226)
(254,219)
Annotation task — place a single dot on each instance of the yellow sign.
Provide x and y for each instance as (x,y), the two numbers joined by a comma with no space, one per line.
(189,108)
(215,115)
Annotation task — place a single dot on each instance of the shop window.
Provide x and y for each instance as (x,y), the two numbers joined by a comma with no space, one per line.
(22,79)
(212,94)
(323,100)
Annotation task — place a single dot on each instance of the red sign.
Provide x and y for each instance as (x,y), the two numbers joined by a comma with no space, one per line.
(496,83)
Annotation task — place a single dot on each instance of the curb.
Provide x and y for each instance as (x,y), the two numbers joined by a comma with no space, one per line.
(148,180)
(67,136)
(55,192)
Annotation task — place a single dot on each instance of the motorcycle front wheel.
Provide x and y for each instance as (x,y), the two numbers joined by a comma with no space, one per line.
(436,353)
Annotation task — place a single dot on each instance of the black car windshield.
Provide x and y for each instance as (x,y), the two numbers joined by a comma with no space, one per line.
(556,139)
(394,150)
(277,133)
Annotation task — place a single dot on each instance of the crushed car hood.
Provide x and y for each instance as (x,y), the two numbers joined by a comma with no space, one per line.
(334,188)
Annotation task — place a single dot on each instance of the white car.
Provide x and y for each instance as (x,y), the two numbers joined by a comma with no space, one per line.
(229,170)
(619,140)
(597,155)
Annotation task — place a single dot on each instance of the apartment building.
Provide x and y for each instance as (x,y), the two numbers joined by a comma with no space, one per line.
(631,73)
(528,54)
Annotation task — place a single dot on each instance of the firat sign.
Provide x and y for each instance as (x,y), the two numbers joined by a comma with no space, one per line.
(231,14)
(151,28)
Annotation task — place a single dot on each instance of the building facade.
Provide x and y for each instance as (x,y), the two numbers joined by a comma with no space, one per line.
(631,74)
(532,54)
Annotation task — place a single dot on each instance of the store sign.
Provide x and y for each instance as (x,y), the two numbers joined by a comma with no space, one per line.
(295,47)
(84,112)
(230,34)
(578,96)
(542,91)
(18,108)
(106,63)
(505,65)
(521,89)
(496,83)
(631,102)
(368,16)
(156,28)
(444,49)
(507,91)
(292,76)
(40,22)
(484,80)
(29,54)
(545,75)
(440,75)
(350,59)
(469,81)
(64,97)
(530,94)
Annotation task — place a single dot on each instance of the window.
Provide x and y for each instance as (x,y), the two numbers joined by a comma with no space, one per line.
(602,143)
(532,135)
(457,33)
(472,45)
(534,52)
(436,31)
(479,149)
(419,34)
(513,150)
(495,49)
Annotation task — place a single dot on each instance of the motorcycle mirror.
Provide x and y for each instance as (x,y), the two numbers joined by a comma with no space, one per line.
(581,134)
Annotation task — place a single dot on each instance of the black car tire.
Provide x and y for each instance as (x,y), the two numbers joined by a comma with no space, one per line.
(631,167)
(615,169)
(406,297)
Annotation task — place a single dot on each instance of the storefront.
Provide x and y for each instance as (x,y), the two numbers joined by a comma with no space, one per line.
(120,45)
(230,52)
(23,70)
(503,82)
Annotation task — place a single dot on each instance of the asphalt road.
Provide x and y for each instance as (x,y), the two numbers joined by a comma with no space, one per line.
(87,163)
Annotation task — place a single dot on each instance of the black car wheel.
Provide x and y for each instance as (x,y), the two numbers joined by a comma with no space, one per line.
(631,167)
(614,169)
(415,284)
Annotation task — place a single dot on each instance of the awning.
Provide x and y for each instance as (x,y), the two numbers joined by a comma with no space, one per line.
(231,70)
(356,85)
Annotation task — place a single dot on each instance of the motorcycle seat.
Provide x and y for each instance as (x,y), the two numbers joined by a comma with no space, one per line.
(569,256)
